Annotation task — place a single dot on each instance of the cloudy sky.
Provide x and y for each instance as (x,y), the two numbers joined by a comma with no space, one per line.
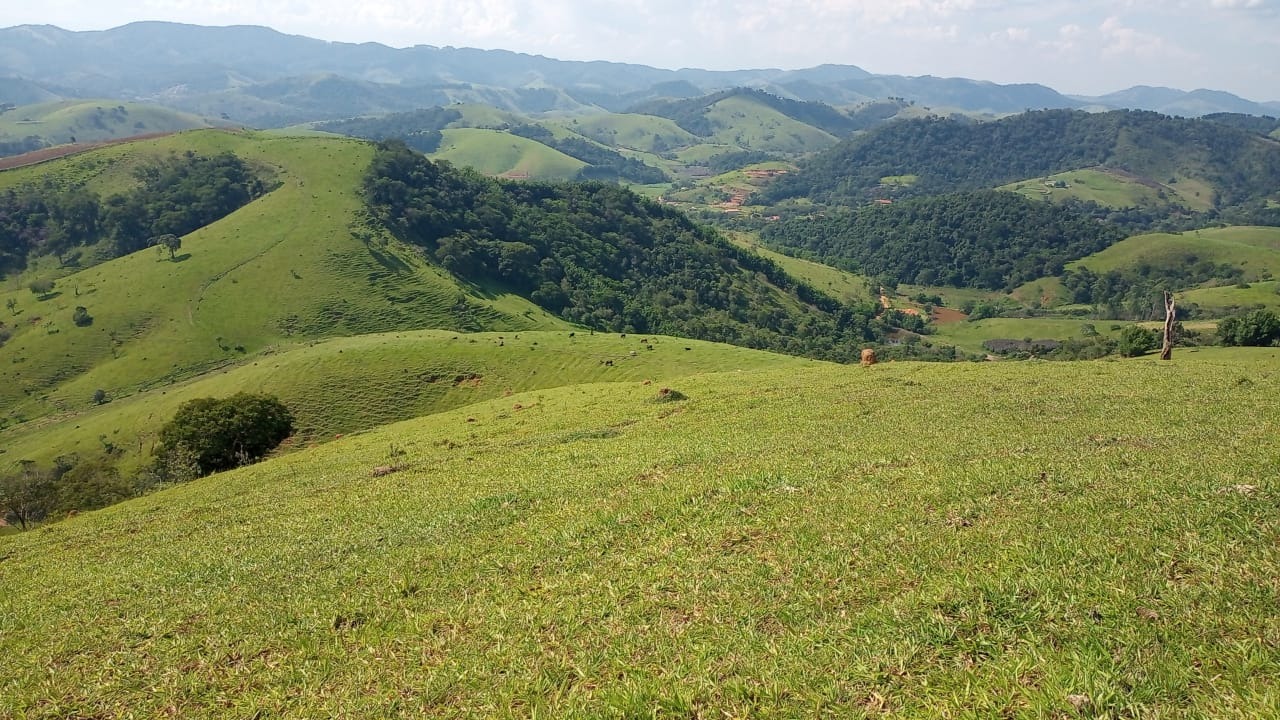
(1075,46)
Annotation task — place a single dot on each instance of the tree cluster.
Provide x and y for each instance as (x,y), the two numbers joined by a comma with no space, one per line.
(985,239)
(213,434)
(600,255)
(419,129)
(174,196)
(1137,293)
(1259,328)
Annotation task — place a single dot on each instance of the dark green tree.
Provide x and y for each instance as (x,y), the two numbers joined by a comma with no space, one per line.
(27,496)
(223,433)
(1257,329)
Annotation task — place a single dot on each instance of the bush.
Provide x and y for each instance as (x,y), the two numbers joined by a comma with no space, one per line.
(1258,328)
(222,433)
(81,316)
(41,287)
(1136,340)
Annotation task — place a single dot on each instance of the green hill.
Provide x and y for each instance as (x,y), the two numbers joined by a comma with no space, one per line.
(1113,189)
(350,384)
(1232,170)
(822,541)
(244,283)
(85,121)
(646,133)
(1255,250)
(493,152)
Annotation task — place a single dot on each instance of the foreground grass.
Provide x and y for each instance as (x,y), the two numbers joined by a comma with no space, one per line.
(908,540)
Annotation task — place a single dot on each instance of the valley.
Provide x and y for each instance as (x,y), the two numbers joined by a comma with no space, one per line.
(609,391)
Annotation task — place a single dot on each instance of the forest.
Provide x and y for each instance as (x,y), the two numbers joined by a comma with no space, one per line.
(173,196)
(984,239)
(600,255)
(949,155)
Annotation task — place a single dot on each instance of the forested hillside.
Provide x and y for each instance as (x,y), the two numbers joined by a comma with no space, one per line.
(174,196)
(691,113)
(600,255)
(1238,167)
(984,239)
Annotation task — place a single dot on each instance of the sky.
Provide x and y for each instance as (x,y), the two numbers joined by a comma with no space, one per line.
(1085,47)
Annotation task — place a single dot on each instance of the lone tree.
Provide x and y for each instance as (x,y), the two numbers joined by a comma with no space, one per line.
(223,433)
(170,242)
(41,288)
(1170,316)
(27,496)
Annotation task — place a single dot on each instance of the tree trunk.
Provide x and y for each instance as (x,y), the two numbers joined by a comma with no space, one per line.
(1170,313)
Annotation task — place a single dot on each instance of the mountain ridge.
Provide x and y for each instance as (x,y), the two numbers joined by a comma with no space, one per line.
(206,67)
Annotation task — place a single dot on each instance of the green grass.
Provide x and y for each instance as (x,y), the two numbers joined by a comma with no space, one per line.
(1255,249)
(752,125)
(251,281)
(972,540)
(352,384)
(645,133)
(1106,188)
(969,336)
(92,121)
(1229,299)
(836,282)
(499,153)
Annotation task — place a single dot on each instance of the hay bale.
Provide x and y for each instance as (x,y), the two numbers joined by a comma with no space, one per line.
(868,357)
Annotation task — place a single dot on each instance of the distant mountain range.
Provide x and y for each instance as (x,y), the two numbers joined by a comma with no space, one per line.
(262,77)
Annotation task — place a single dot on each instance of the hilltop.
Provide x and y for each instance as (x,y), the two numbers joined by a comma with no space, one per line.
(25,128)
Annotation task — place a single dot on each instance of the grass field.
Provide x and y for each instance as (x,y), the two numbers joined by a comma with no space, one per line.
(500,153)
(1229,299)
(838,283)
(645,133)
(967,540)
(1255,249)
(84,121)
(345,385)
(969,336)
(1106,188)
(752,125)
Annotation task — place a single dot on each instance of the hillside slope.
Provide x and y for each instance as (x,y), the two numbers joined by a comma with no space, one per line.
(85,121)
(589,552)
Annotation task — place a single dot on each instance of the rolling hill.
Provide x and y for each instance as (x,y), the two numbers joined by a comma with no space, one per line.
(498,153)
(591,552)
(87,121)
(1233,170)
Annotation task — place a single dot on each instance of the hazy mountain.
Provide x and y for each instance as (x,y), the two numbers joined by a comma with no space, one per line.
(1170,101)
(258,75)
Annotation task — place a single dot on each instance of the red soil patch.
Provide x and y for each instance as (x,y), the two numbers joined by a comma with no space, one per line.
(36,157)
(943,315)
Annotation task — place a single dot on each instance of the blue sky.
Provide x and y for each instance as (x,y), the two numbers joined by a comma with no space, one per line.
(1084,46)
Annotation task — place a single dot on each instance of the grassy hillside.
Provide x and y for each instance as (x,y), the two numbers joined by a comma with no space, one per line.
(83,121)
(1256,249)
(646,133)
(834,281)
(1114,189)
(752,125)
(498,153)
(244,283)
(1230,299)
(589,552)
(344,385)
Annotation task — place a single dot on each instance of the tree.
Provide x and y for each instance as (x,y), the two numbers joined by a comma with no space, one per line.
(1258,328)
(81,317)
(1136,340)
(41,287)
(99,396)
(223,433)
(170,242)
(26,497)
(12,305)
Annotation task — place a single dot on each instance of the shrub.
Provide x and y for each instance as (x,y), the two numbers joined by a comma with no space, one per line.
(41,288)
(81,316)
(1258,328)
(222,433)
(1136,340)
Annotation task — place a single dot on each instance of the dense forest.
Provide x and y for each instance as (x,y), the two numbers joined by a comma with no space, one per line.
(985,239)
(691,114)
(948,155)
(174,196)
(1137,293)
(602,162)
(600,255)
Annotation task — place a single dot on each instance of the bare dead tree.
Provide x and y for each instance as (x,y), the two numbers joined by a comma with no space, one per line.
(1170,313)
